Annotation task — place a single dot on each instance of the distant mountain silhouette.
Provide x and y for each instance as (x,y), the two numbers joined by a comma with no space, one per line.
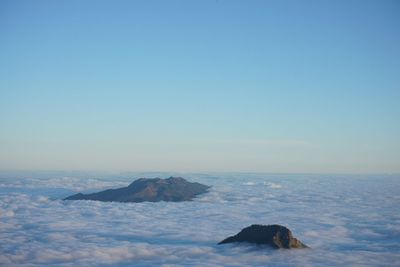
(147,189)
(276,236)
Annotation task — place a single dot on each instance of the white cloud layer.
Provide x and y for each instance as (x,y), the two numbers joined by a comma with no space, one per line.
(346,220)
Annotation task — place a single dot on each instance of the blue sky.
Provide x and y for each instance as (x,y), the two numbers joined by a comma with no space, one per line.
(264,86)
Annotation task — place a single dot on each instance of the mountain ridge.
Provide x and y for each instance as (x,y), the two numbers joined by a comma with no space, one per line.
(174,189)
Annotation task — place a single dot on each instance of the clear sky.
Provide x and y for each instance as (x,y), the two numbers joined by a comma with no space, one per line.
(263,86)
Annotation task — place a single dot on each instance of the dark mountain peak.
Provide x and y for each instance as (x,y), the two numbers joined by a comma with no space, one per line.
(148,189)
(175,178)
(143,181)
(275,235)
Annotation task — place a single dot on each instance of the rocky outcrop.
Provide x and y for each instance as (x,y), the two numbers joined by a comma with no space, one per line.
(145,189)
(276,236)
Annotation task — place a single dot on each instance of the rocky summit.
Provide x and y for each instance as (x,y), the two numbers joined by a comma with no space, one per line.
(148,189)
(276,236)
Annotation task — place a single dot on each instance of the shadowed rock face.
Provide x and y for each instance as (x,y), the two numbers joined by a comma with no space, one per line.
(275,235)
(153,190)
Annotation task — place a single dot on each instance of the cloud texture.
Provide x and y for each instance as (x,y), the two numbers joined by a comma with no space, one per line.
(346,220)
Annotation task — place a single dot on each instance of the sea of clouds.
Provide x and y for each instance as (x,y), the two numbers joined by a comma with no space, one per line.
(346,220)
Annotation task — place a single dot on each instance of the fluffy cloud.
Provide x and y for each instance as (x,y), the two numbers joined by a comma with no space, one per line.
(346,221)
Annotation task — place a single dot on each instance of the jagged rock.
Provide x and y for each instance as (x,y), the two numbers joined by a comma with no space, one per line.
(277,236)
(145,189)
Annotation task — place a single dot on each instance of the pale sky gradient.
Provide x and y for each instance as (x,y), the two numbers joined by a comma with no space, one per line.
(263,86)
